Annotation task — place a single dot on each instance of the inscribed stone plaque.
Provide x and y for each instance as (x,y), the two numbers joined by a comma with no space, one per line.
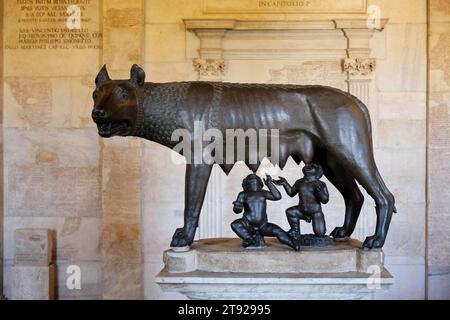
(45,37)
(284,6)
(53,24)
(33,247)
(32,189)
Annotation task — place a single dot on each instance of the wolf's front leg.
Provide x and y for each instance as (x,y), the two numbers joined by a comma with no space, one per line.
(197,176)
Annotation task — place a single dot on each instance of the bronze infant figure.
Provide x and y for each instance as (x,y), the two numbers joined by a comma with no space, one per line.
(312,193)
(315,123)
(254,225)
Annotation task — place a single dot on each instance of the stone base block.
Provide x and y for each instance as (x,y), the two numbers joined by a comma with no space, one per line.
(227,255)
(222,269)
(33,283)
(33,247)
(270,286)
(179,262)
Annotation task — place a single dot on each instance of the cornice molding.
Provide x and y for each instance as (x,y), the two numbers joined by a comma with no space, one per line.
(234,24)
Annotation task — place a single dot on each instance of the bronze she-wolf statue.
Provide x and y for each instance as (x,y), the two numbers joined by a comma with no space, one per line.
(316,124)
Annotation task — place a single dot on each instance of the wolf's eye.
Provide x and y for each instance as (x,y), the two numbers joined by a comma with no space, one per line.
(95,95)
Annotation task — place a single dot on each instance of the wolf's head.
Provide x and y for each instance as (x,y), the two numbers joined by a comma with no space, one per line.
(116,103)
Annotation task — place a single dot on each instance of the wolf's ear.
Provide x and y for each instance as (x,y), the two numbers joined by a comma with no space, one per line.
(102,77)
(137,75)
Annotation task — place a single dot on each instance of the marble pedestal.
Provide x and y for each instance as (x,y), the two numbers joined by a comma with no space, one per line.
(221,269)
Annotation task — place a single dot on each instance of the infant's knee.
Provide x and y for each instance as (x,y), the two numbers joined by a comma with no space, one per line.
(318,221)
(237,224)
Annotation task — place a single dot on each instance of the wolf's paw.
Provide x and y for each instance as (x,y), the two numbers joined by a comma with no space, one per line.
(180,238)
(339,233)
(373,242)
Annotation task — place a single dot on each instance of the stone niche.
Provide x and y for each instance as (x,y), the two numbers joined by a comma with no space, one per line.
(335,53)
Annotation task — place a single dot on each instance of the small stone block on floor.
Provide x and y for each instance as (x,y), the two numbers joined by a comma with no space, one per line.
(33,247)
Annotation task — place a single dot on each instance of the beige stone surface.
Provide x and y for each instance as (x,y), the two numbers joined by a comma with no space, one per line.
(412,11)
(159,49)
(175,10)
(90,281)
(1,151)
(402,11)
(123,33)
(269,286)
(120,228)
(121,252)
(158,159)
(34,247)
(153,290)
(225,255)
(438,257)
(32,189)
(52,148)
(179,262)
(439,283)
(404,287)
(77,244)
(77,238)
(170,71)
(47,101)
(389,134)
(32,283)
(439,11)
(68,56)
(400,164)
(222,269)
(402,106)
(404,68)
(314,6)
(162,213)
(52,176)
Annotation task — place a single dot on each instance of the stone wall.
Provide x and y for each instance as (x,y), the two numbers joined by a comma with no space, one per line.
(52,151)
(401,107)
(438,253)
(115,203)
(122,267)
(58,173)
(1,151)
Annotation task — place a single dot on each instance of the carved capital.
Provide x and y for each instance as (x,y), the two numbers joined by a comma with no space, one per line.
(359,66)
(209,67)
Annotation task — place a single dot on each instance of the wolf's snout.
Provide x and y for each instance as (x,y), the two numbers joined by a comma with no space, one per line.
(98,114)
